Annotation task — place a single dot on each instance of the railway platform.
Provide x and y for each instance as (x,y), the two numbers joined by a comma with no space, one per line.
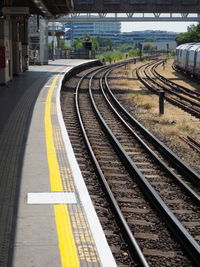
(46,215)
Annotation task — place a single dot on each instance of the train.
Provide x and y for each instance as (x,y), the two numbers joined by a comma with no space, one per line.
(187,59)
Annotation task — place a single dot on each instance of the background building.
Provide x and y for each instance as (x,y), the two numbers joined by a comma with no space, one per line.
(160,39)
(112,31)
(104,30)
(62,34)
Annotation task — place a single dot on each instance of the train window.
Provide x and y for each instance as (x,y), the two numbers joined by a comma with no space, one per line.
(190,2)
(111,2)
(164,2)
(138,2)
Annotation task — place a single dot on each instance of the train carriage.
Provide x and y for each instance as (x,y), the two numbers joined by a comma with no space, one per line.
(188,58)
(197,63)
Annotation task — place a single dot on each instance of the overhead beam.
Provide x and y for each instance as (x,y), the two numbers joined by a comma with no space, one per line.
(137,6)
(105,17)
(11,10)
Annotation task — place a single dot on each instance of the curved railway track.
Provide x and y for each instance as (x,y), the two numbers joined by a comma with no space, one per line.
(180,96)
(177,87)
(154,195)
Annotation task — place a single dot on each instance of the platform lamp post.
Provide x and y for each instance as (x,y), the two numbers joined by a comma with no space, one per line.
(71,35)
(167,48)
(53,39)
(52,49)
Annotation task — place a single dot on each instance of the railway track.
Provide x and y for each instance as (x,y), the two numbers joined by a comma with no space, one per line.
(180,96)
(154,195)
(188,76)
(177,87)
(192,142)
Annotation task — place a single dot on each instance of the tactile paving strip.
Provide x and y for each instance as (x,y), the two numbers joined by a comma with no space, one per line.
(84,242)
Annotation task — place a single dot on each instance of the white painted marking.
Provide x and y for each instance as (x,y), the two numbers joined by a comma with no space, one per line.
(52,198)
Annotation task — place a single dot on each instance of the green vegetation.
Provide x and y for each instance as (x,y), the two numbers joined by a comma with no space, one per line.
(62,45)
(95,43)
(184,126)
(192,35)
(49,46)
(99,42)
(126,47)
(139,100)
(117,55)
(149,47)
(134,53)
(111,56)
(170,55)
(109,51)
(77,43)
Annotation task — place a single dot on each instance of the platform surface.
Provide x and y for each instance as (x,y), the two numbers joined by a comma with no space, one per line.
(45,209)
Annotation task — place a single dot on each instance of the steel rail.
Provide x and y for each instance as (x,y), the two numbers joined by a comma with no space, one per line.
(193,110)
(194,141)
(163,149)
(185,90)
(176,87)
(191,142)
(178,180)
(170,91)
(127,234)
(187,241)
(171,100)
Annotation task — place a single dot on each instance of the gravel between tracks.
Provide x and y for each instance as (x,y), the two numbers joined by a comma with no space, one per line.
(175,123)
(118,250)
(112,232)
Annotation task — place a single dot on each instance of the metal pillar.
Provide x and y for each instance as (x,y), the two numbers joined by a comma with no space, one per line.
(16,46)
(23,36)
(5,51)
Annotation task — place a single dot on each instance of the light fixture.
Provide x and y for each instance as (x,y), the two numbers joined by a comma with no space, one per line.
(42,7)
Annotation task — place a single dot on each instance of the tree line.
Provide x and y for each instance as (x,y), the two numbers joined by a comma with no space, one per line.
(192,35)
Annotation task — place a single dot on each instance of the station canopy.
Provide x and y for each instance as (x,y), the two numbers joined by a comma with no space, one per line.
(46,8)
(52,8)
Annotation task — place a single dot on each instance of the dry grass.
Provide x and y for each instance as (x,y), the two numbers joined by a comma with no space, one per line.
(168,127)
(174,119)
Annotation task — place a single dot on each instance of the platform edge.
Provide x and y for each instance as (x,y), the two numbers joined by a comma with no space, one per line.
(102,246)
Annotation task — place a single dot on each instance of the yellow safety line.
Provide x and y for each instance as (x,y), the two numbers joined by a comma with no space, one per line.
(67,246)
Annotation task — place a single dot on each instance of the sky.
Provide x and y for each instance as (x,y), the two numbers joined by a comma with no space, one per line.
(164,26)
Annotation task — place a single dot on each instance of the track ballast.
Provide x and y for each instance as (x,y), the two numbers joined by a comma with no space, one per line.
(139,176)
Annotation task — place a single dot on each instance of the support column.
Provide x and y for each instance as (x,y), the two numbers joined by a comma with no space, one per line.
(17,47)
(43,41)
(38,40)
(23,37)
(5,51)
